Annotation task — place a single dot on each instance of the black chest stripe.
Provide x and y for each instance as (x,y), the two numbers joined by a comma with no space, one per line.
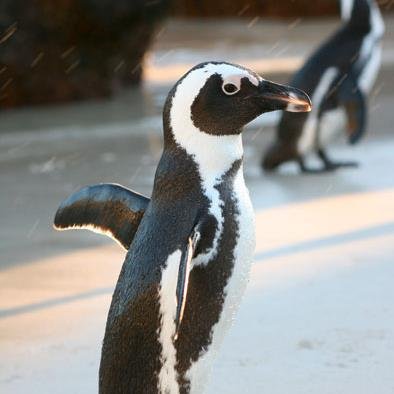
(206,290)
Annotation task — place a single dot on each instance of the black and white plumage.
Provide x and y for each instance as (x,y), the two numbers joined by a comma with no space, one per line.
(188,261)
(338,77)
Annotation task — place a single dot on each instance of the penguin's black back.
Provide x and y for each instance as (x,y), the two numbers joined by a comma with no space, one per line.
(341,51)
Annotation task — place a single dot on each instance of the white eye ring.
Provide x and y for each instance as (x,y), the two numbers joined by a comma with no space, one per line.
(230,88)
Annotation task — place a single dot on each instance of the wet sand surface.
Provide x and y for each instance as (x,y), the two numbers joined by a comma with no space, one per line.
(318,315)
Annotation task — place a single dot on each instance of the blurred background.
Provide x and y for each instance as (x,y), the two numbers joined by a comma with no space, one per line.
(82,85)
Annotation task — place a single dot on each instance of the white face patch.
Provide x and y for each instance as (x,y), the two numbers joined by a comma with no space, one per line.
(232,83)
(213,153)
(167,380)
(188,89)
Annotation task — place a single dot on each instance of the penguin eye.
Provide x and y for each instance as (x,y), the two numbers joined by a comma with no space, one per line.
(230,88)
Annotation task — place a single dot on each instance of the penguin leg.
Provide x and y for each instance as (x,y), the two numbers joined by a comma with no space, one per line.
(328,164)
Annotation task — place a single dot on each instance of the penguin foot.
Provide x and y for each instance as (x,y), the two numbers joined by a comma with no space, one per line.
(330,165)
(308,170)
(334,165)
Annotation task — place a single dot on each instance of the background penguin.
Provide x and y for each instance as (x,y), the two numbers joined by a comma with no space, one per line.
(190,245)
(338,77)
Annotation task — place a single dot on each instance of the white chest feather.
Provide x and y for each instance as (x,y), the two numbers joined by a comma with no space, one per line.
(308,139)
(243,257)
(234,290)
(167,379)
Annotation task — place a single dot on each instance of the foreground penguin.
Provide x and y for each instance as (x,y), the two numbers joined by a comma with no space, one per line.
(191,245)
(338,77)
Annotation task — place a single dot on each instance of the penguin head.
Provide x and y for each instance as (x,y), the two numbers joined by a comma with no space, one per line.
(218,98)
(362,15)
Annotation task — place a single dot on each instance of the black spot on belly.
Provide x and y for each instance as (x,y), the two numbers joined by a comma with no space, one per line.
(206,286)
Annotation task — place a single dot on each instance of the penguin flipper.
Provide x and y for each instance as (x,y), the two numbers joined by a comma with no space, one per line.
(355,104)
(106,208)
(183,277)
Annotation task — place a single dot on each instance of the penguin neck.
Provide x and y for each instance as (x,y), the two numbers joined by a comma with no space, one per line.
(214,155)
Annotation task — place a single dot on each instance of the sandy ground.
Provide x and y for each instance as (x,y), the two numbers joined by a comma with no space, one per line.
(318,315)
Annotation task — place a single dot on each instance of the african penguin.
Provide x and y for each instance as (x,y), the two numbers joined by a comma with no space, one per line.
(338,77)
(191,244)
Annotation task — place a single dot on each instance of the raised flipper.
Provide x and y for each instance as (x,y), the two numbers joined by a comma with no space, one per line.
(353,100)
(183,278)
(106,208)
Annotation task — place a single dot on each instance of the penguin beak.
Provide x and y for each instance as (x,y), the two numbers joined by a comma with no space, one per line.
(281,97)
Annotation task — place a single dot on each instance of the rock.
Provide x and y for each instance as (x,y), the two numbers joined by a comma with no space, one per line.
(57,51)
(253,8)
